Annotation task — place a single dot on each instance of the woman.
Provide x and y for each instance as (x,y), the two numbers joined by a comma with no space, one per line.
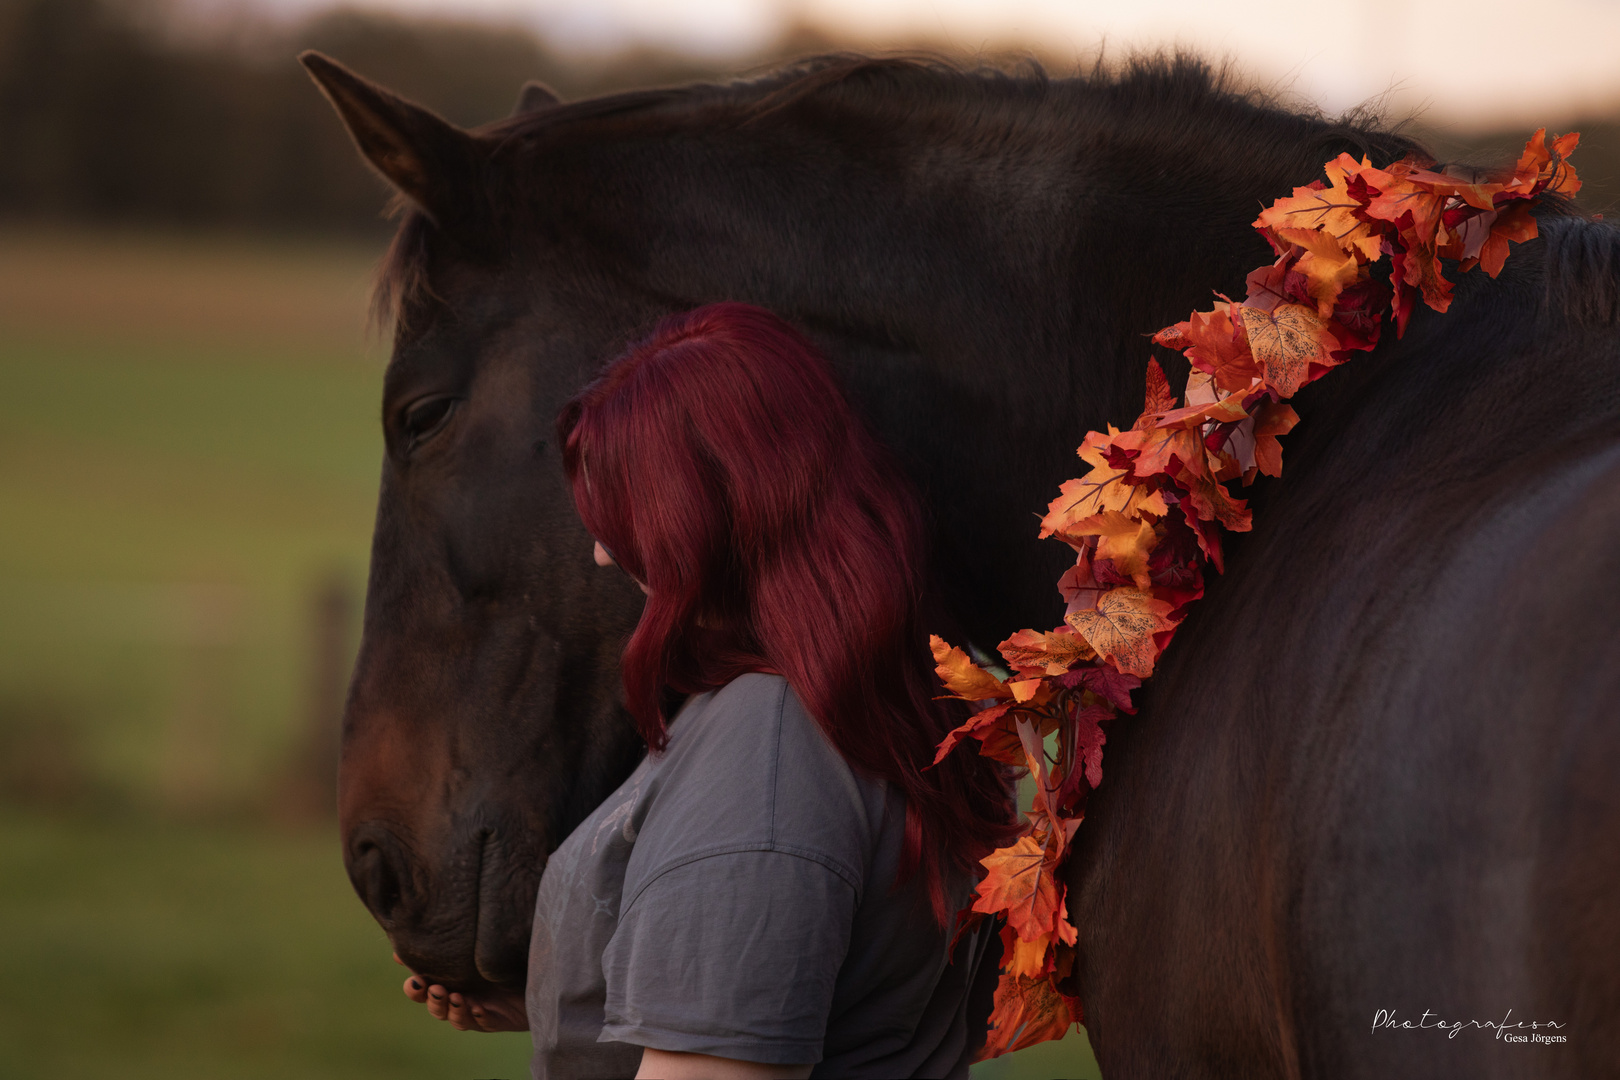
(772,891)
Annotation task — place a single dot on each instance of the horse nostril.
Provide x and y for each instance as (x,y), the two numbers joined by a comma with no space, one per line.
(376,879)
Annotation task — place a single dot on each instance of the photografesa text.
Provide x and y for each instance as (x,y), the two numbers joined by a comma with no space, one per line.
(1507,1029)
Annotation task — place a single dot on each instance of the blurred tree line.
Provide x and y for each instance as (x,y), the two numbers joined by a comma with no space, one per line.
(124,111)
(118,111)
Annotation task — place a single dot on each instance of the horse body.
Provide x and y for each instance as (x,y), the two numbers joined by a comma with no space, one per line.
(1375,772)
(980,256)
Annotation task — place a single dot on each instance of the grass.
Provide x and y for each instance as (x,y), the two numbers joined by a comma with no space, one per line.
(188,448)
(142,949)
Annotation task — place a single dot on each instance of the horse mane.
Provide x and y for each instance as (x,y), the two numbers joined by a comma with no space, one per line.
(1583,268)
(1167,102)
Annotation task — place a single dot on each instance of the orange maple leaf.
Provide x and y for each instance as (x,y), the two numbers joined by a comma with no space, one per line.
(1121,628)
(1019,883)
(1030,959)
(1513,223)
(1208,499)
(1159,450)
(1327,267)
(1564,181)
(1543,166)
(1271,419)
(1129,544)
(1331,209)
(1218,409)
(1532,160)
(1125,540)
(1421,267)
(1214,343)
(1032,691)
(1026,1012)
(1103,488)
(1032,652)
(962,676)
(1286,341)
(1398,196)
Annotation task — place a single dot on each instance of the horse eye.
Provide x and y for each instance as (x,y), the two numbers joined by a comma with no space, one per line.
(424,418)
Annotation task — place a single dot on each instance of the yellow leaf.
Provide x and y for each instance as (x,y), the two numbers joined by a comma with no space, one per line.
(962,676)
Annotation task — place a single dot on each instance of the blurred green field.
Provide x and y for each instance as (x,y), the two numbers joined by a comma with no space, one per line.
(187,451)
(143,950)
(188,457)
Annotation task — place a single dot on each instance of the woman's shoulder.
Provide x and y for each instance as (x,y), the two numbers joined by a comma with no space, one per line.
(748,695)
(747,713)
(760,717)
(756,769)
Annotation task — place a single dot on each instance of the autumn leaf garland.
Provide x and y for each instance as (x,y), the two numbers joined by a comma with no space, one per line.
(1148,516)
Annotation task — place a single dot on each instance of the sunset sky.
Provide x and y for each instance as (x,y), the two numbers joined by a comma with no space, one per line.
(1487,62)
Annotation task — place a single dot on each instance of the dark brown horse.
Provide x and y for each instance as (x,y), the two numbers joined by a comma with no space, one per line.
(1380,768)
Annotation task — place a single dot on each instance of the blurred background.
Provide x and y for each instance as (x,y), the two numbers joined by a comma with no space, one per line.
(189,446)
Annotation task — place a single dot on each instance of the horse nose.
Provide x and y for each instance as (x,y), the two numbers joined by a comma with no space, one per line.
(379,870)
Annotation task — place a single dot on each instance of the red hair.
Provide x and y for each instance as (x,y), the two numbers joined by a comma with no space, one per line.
(720,463)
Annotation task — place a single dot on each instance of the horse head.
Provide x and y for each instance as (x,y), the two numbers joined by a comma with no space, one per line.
(483,720)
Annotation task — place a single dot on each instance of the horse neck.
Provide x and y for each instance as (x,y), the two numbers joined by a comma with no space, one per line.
(984,273)
(1038,230)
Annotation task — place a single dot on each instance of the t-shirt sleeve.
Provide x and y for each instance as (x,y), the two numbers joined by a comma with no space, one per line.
(733,954)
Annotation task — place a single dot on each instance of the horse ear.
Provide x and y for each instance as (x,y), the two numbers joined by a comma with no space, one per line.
(535,96)
(429,160)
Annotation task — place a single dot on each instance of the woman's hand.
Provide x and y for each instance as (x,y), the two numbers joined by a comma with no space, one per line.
(500,1011)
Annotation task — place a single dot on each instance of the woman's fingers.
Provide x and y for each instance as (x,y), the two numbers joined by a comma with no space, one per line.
(467,1013)
(461,1015)
(416,989)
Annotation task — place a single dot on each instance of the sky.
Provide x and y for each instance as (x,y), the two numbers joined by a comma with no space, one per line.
(1484,63)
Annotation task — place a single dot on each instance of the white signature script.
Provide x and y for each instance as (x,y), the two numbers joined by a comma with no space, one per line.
(1384,1019)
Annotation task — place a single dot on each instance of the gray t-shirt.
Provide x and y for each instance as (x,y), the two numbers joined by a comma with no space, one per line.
(735,897)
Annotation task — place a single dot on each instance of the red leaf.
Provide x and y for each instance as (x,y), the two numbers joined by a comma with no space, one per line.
(1089,739)
(1106,683)
(1079,585)
(979,726)
(1159,399)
